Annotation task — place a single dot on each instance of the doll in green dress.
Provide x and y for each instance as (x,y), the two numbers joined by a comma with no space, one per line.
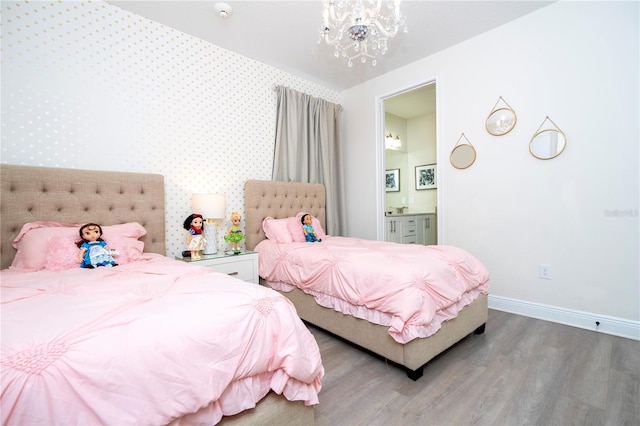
(235,235)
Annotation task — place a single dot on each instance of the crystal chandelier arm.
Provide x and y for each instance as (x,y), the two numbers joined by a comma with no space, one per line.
(332,12)
(332,22)
(383,30)
(397,20)
(376,11)
(329,13)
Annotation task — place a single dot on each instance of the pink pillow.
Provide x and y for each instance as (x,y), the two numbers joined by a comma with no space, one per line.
(295,228)
(62,252)
(34,240)
(277,230)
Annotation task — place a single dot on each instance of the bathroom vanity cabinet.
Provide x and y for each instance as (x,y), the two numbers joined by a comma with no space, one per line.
(411,228)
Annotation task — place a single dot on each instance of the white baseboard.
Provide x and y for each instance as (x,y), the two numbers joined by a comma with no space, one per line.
(586,320)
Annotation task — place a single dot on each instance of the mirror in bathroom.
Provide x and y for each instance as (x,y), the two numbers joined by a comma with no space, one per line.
(547,143)
(502,119)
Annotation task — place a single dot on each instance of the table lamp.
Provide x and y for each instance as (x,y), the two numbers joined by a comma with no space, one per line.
(212,207)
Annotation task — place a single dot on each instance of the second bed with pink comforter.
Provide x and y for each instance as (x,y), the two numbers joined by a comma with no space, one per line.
(410,288)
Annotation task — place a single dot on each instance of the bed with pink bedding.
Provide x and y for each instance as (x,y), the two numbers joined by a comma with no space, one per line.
(153,340)
(404,302)
(410,288)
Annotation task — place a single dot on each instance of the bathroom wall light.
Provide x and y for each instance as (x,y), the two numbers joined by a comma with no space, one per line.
(391,142)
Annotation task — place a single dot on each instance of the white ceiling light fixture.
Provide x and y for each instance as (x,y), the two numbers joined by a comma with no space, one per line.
(360,28)
(223,10)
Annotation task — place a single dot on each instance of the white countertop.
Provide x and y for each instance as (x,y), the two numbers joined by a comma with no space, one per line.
(407,214)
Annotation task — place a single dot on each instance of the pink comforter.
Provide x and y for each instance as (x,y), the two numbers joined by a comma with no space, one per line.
(147,343)
(409,287)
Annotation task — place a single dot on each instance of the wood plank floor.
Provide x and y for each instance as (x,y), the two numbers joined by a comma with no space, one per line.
(521,371)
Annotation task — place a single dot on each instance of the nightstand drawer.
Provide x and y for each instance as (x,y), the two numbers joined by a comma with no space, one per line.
(242,268)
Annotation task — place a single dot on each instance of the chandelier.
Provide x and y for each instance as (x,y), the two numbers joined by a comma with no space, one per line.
(360,28)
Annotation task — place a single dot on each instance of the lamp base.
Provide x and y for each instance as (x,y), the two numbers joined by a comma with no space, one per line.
(211,245)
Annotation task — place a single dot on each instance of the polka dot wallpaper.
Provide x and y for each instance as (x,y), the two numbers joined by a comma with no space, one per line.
(87,85)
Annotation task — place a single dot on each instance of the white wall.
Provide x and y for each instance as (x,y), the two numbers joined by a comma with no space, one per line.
(87,85)
(576,62)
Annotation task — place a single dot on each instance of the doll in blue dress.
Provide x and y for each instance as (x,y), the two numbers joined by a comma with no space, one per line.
(93,249)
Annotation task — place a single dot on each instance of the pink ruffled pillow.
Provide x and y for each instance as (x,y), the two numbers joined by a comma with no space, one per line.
(62,252)
(295,228)
(277,229)
(41,245)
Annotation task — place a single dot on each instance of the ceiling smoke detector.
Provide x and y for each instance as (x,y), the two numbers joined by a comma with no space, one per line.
(223,10)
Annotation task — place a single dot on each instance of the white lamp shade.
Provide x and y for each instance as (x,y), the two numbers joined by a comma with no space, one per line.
(210,206)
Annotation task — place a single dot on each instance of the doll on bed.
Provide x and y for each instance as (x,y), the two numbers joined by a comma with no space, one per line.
(195,238)
(307,228)
(235,235)
(93,249)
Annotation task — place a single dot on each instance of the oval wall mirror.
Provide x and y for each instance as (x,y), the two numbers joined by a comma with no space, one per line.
(547,144)
(463,155)
(501,119)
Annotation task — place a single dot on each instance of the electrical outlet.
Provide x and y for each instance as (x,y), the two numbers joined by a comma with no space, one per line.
(545,271)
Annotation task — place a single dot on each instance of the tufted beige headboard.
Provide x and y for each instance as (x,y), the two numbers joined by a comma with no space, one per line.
(30,193)
(279,200)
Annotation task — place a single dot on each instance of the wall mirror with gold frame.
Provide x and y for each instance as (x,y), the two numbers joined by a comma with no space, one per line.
(502,118)
(547,142)
(463,154)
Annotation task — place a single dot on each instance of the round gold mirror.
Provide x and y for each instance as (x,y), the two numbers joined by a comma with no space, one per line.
(547,144)
(501,121)
(463,155)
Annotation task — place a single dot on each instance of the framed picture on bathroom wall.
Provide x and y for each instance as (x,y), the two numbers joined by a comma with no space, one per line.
(426,177)
(392,180)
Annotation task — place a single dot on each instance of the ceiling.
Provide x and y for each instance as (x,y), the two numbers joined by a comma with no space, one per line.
(284,34)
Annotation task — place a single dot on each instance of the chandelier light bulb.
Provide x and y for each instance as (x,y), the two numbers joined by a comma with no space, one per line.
(360,28)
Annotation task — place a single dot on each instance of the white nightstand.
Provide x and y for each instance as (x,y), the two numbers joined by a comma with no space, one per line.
(243,265)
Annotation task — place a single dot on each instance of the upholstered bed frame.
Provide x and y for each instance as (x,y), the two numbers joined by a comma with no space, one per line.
(286,199)
(29,194)
(78,196)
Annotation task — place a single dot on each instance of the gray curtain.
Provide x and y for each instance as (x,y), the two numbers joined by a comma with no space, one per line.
(308,149)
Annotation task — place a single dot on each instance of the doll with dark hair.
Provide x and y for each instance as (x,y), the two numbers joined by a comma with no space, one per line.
(93,249)
(195,238)
(307,228)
